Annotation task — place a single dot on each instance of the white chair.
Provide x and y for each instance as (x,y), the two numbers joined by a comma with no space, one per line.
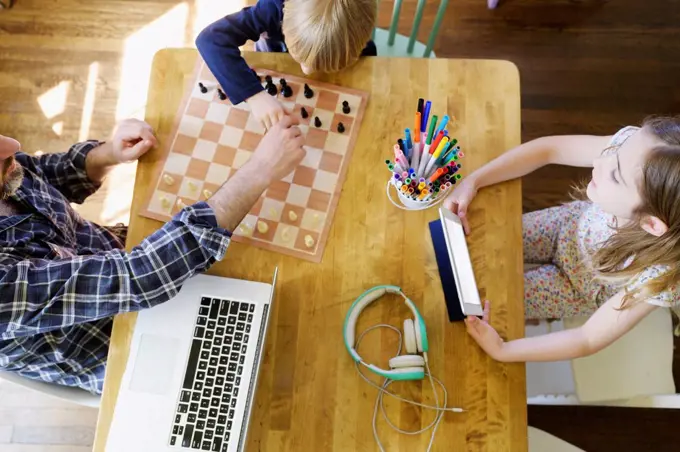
(540,441)
(73,395)
(635,371)
(392,44)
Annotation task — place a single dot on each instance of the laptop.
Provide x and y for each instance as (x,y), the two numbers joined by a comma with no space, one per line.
(455,267)
(192,372)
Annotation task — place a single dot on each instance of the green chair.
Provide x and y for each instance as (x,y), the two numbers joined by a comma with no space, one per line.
(391,43)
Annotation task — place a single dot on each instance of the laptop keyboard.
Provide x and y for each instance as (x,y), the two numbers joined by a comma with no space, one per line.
(213,376)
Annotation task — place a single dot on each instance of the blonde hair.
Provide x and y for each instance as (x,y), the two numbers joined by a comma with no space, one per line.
(660,192)
(328,35)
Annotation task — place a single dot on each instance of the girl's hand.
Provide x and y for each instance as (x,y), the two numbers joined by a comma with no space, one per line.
(485,335)
(266,109)
(460,199)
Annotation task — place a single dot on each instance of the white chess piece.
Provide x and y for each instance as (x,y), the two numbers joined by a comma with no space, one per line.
(292,216)
(262,227)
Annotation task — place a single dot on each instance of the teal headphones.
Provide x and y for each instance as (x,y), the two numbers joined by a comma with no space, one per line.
(403,367)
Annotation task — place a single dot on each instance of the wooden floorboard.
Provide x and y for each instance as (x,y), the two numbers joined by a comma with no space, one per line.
(586,66)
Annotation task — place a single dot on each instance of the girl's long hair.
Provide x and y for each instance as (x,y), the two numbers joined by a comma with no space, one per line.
(628,252)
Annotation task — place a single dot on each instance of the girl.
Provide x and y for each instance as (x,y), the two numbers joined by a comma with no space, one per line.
(616,255)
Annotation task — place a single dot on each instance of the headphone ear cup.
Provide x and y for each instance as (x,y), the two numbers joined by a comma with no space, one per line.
(410,341)
(399,362)
(418,334)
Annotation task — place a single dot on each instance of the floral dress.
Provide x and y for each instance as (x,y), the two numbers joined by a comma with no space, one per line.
(560,240)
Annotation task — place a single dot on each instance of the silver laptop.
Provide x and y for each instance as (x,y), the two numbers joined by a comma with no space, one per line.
(192,372)
(466,286)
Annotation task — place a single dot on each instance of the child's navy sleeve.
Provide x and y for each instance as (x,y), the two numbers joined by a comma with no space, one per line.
(219,46)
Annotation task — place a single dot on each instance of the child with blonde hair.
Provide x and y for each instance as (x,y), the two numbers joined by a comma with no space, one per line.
(615,256)
(321,35)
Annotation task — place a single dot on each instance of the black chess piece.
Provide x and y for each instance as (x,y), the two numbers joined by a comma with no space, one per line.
(283,82)
(345,107)
(309,93)
(268,79)
(287,91)
(341,127)
(202,87)
(221,93)
(317,121)
(271,89)
(304,113)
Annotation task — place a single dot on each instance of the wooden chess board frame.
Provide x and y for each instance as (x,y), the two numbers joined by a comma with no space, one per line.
(167,146)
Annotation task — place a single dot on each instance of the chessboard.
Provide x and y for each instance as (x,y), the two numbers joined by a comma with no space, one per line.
(212,138)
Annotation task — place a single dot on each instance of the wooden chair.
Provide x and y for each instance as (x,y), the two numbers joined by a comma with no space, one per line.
(73,395)
(635,371)
(392,44)
(540,441)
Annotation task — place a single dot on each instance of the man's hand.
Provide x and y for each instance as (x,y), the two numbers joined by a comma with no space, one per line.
(266,109)
(131,139)
(277,155)
(485,335)
(280,150)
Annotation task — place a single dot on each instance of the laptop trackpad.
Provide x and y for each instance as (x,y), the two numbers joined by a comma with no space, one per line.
(155,364)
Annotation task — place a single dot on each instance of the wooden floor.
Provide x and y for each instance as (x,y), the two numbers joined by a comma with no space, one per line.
(70,68)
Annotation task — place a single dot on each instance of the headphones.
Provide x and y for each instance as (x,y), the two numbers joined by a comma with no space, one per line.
(402,367)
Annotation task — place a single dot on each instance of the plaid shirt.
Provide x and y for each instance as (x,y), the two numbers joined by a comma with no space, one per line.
(62,278)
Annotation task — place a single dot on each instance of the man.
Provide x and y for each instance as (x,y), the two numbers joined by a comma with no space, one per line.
(62,278)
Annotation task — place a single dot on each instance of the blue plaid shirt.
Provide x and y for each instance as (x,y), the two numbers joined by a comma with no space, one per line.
(62,278)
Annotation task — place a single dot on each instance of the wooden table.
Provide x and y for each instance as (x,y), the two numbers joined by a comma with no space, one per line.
(310,397)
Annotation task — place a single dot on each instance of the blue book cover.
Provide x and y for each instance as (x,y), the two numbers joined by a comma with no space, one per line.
(446,272)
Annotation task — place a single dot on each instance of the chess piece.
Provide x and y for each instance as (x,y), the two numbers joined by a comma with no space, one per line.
(262,227)
(285,234)
(168,179)
(309,241)
(271,89)
(207,193)
(164,202)
(202,87)
(221,94)
(345,107)
(341,127)
(283,83)
(292,216)
(304,113)
(317,121)
(309,93)
(268,79)
(192,186)
(287,91)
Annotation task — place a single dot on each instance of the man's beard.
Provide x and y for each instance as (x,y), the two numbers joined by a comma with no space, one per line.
(11,180)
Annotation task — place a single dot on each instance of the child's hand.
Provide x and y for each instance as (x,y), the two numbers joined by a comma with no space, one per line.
(266,109)
(484,334)
(458,201)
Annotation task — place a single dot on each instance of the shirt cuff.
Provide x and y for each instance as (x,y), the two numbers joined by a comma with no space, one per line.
(246,93)
(201,220)
(77,154)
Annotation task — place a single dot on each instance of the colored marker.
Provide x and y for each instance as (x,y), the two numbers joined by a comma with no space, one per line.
(424,156)
(425,116)
(409,143)
(430,131)
(442,125)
